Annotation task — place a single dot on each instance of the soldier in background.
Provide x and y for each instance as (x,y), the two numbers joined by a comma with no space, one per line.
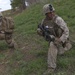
(58,29)
(6,30)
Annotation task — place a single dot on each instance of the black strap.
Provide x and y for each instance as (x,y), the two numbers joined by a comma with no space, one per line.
(50,7)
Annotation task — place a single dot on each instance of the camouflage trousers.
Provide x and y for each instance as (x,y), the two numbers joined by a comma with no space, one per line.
(8,39)
(54,51)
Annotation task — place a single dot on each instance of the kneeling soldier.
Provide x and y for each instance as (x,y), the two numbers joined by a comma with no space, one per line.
(6,30)
(55,30)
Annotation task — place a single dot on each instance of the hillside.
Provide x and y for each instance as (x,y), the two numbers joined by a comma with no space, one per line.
(31,57)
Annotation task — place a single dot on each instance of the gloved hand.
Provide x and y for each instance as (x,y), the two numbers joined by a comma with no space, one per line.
(39,31)
(52,37)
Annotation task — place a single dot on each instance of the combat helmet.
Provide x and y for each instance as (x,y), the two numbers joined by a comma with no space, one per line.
(48,8)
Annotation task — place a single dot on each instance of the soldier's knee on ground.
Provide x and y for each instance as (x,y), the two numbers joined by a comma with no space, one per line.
(15,44)
(8,38)
(10,42)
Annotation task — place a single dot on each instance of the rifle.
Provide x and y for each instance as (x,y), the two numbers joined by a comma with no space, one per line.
(46,33)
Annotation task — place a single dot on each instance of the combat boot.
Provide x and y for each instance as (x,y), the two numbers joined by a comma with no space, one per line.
(49,71)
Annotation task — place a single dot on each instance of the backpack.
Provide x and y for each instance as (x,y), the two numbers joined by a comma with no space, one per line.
(8,25)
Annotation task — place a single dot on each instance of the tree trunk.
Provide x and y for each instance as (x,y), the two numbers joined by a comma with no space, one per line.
(23,5)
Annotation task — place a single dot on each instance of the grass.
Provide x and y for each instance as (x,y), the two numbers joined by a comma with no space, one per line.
(31,57)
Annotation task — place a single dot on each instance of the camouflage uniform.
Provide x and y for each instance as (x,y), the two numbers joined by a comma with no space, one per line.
(58,48)
(62,32)
(6,30)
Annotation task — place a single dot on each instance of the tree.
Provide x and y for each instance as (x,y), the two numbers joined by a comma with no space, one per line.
(23,4)
(18,3)
(31,1)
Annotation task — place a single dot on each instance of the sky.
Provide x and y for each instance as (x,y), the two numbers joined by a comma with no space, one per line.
(4,5)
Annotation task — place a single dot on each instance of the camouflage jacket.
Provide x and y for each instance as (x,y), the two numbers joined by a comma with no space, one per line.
(60,23)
